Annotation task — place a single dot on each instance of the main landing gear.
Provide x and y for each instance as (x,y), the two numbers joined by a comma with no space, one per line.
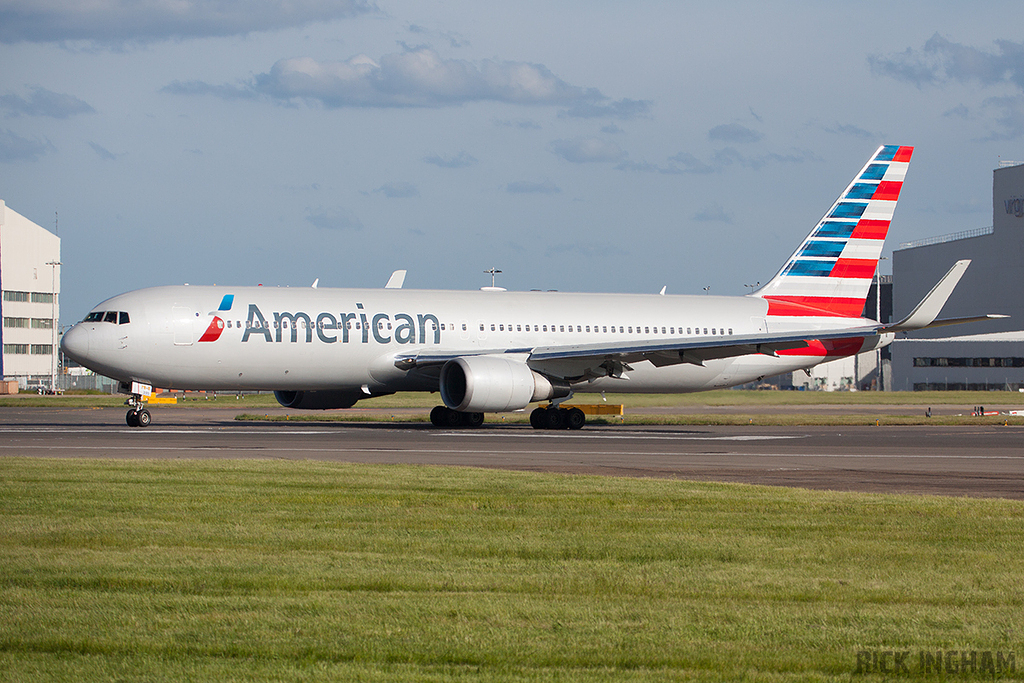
(557,418)
(443,416)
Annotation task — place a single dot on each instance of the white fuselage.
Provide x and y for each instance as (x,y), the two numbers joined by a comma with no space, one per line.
(191,337)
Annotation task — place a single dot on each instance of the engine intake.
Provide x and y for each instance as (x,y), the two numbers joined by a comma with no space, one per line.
(492,384)
(317,400)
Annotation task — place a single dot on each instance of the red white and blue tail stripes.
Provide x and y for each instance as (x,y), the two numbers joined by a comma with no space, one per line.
(831,272)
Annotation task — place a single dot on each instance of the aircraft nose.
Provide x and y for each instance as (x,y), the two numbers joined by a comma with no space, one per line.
(75,343)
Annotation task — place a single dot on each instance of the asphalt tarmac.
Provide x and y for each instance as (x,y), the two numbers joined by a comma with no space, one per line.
(979,461)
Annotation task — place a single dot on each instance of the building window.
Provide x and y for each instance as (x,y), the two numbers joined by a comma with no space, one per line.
(15,322)
(15,296)
(42,349)
(16,348)
(42,298)
(42,324)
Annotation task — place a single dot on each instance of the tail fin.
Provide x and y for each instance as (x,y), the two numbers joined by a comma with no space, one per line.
(831,272)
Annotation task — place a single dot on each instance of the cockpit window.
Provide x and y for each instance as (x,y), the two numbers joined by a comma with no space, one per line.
(123,318)
(94,317)
(110,317)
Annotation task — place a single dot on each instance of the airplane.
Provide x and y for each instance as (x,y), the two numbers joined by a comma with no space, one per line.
(496,351)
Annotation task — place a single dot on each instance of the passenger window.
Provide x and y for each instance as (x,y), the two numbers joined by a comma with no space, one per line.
(730,330)
(688,331)
(464,327)
(519,328)
(492,327)
(647,330)
(122,318)
(663,330)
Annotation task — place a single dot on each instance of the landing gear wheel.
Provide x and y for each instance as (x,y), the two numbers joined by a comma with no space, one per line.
(452,418)
(437,414)
(143,418)
(472,419)
(554,418)
(537,418)
(575,418)
(132,418)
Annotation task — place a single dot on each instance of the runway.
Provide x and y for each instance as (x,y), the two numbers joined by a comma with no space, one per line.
(982,461)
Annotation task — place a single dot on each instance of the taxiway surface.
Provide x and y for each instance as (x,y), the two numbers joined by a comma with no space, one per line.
(985,461)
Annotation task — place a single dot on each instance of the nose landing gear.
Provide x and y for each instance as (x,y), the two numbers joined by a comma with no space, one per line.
(138,417)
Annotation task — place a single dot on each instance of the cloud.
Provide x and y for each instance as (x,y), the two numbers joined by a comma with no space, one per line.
(13,147)
(581,150)
(334,219)
(941,61)
(398,190)
(734,132)
(226,92)
(528,187)
(713,213)
(118,21)
(522,124)
(730,156)
(460,160)
(415,77)
(43,102)
(624,109)
(103,152)
(849,130)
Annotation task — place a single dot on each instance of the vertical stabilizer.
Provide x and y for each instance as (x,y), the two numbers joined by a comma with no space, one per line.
(831,272)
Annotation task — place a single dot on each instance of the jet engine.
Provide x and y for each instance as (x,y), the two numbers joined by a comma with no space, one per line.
(491,384)
(317,400)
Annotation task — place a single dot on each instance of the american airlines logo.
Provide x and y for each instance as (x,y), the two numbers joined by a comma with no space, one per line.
(1015,206)
(330,328)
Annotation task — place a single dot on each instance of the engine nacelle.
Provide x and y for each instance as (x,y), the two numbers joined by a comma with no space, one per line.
(317,400)
(492,384)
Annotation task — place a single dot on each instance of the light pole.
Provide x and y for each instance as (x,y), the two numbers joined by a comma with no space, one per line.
(53,324)
(878,316)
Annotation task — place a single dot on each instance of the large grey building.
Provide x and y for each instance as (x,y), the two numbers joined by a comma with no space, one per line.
(982,358)
(30,281)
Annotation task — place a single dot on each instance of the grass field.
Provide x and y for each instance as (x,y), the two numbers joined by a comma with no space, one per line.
(311,571)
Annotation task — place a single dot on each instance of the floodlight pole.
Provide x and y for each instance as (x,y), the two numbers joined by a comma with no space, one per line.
(53,324)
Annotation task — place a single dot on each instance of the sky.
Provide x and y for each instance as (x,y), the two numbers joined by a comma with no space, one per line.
(579,146)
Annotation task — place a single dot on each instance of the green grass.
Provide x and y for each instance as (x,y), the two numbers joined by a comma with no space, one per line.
(309,571)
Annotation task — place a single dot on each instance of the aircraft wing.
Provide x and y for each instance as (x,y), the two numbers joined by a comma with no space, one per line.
(612,358)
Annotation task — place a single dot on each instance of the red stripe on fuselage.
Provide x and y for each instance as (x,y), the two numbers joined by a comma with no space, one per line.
(828,348)
(827,306)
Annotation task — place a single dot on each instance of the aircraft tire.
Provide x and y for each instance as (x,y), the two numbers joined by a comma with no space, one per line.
(452,418)
(537,418)
(575,419)
(472,420)
(554,418)
(437,414)
(144,418)
(132,418)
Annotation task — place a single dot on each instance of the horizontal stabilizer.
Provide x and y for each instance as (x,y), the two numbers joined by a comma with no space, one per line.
(942,322)
(925,313)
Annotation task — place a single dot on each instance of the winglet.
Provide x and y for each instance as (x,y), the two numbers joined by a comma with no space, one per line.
(928,310)
(396,280)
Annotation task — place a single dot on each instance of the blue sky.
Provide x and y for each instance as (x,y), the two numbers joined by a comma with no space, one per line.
(589,146)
